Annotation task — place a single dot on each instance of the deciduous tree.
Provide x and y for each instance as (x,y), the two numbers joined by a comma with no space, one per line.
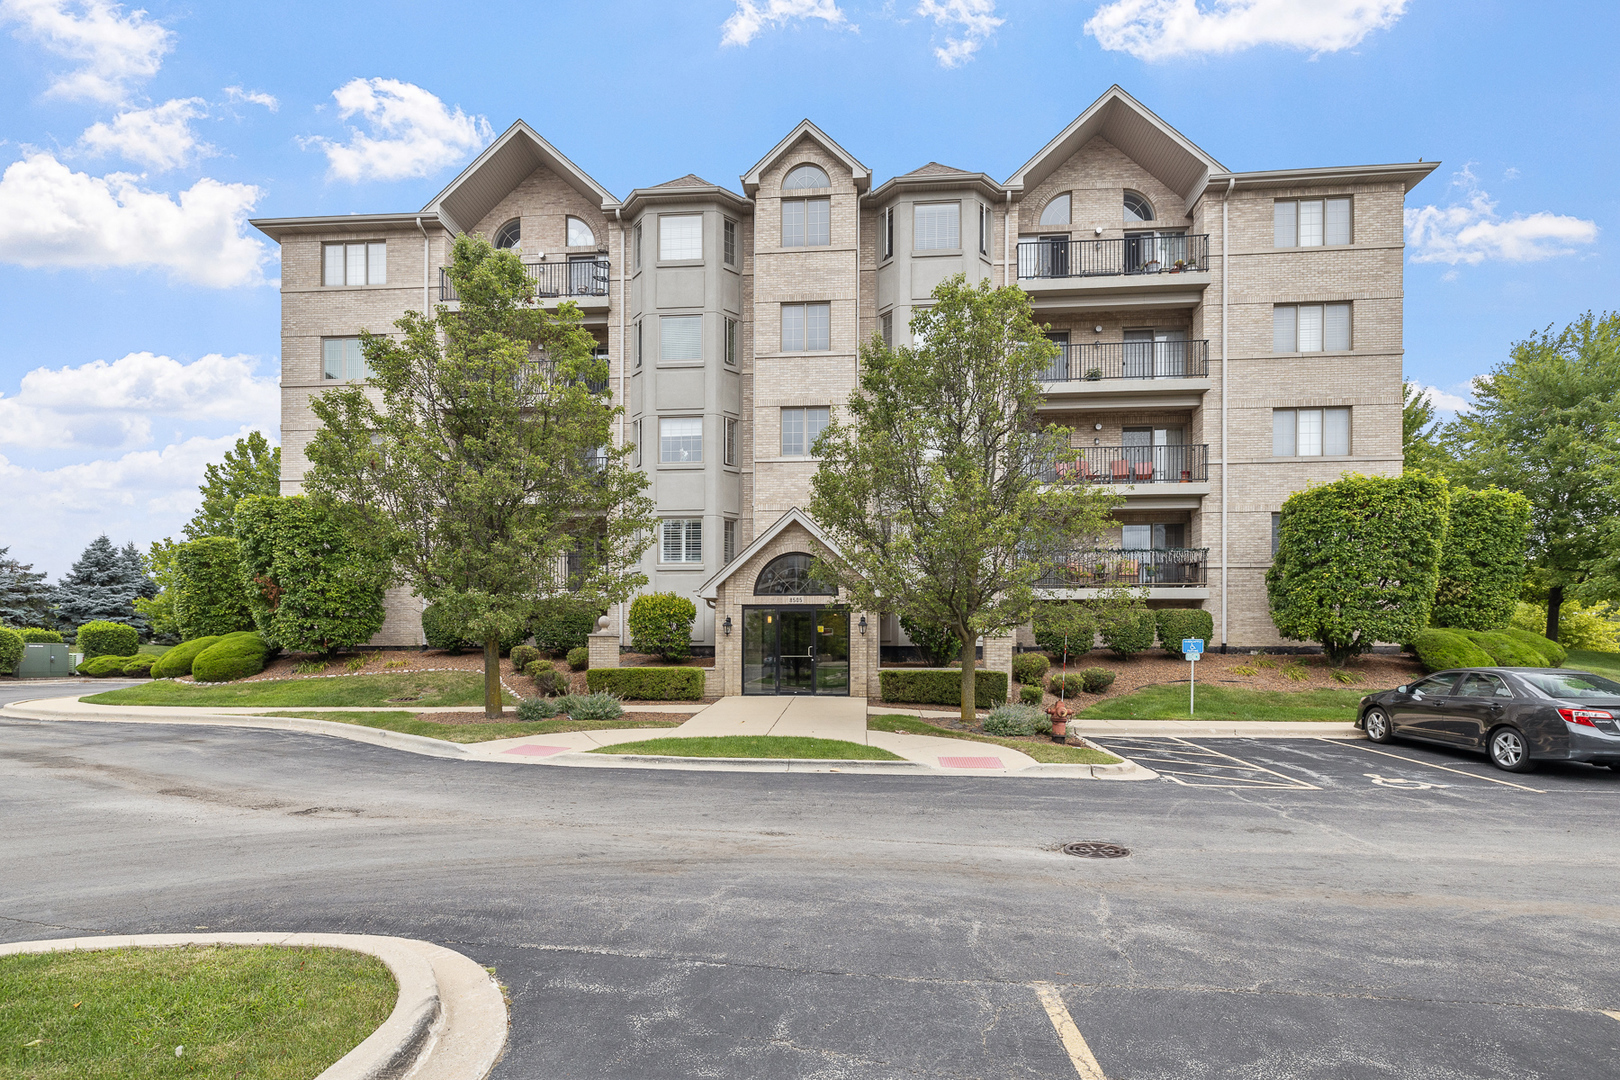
(252,468)
(1482,565)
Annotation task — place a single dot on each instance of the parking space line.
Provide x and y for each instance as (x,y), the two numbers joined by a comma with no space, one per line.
(1085,1063)
(1443,768)
(1173,758)
(1610,1012)
(1290,780)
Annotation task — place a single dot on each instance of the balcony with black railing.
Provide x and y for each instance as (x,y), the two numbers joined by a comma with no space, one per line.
(1102,568)
(1097,361)
(1181,463)
(578,277)
(1158,253)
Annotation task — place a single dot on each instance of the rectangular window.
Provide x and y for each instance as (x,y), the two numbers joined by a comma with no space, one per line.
(730,540)
(355,264)
(1276,531)
(682,540)
(936,226)
(801,428)
(733,333)
(886,328)
(1310,328)
(806,222)
(635,245)
(1310,432)
(635,434)
(729,243)
(731,441)
(984,229)
(1311,222)
(680,237)
(680,439)
(888,232)
(806,327)
(680,337)
(638,344)
(341,359)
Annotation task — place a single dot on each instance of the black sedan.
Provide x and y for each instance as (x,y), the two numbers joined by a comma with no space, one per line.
(1517,716)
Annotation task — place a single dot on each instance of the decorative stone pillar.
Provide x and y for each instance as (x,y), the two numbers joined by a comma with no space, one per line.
(604,645)
(998,654)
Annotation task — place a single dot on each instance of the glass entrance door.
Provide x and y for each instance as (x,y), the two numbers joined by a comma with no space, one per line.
(795,650)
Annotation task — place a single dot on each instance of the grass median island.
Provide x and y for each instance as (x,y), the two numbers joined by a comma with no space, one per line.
(268,1012)
(423,689)
(754,746)
(1047,753)
(1169,702)
(1598,663)
(410,723)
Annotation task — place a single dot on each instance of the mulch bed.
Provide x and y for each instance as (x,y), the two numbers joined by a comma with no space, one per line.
(511,717)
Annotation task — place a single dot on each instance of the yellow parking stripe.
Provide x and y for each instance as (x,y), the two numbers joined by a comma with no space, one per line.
(1084,1062)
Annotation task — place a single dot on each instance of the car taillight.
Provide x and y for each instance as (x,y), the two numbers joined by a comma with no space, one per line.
(1585,716)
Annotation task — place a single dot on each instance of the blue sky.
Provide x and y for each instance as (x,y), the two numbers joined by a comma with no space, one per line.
(140,311)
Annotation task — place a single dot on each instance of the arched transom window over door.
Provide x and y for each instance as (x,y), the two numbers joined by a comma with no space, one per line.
(789,575)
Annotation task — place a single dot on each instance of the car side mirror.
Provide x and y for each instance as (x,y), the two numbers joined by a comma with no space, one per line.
(1402,690)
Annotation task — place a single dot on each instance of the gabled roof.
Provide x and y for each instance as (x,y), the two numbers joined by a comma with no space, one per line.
(935,177)
(1138,133)
(934,168)
(500,168)
(686,189)
(709,590)
(689,180)
(863,175)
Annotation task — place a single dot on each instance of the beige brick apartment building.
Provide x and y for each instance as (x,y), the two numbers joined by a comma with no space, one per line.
(1228,338)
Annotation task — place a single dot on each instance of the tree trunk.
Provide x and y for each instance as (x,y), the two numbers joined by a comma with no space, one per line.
(1555,601)
(968,713)
(492,678)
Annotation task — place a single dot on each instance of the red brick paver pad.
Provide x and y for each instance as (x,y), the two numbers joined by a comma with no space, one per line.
(970,763)
(535,750)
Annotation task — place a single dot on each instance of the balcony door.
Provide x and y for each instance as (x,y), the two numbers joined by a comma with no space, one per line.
(1155,453)
(1150,252)
(1058,369)
(1155,354)
(1157,537)
(584,277)
(1053,257)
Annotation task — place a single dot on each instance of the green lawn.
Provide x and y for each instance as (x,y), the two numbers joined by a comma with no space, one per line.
(269,1013)
(754,746)
(1047,753)
(425,688)
(1229,703)
(1598,663)
(412,724)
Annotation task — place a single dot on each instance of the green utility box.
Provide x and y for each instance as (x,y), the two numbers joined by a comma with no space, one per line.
(45,662)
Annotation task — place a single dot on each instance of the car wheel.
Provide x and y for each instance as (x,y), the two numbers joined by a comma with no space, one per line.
(1508,750)
(1379,729)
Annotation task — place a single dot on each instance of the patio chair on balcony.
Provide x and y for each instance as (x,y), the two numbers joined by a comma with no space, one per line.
(1122,471)
(1144,472)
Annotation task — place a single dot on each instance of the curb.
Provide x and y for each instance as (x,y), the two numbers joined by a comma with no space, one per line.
(429,1035)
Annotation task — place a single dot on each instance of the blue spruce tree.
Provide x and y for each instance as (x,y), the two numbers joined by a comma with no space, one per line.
(25,599)
(103,584)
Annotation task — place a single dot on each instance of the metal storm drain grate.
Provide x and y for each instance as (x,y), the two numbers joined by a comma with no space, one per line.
(1095,849)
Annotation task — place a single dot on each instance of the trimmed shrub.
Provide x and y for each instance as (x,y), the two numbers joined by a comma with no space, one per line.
(563,623)
(439,632)
(544,677)
(579,659)
(1505,650)
(234,656)
(210,591)
(11,649)
(1030,695)
(1030,668)
(1094,680)
(103,638)
(523,656)
(33,635)
(1017,720)
(661,624)
(1059,617)
(1067,685)
(648,683)
(1129,631)
(533,710)
(139,667)
(1178,624)
(597,706)
(1442,650)
(103,666)
(913,686)
(177,661)
(938,645)
(1552,653)
(1482,564)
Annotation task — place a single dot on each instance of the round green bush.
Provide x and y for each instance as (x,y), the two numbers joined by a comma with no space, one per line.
(1030,668)
(598,706)
(234,656)
(1552,653)
(1129,632)
(1075,621)
(1017,720)
(103,638)
(661,623)
(533,710)
(579,659)
(1096,679)
(563,623)
(1178,624)
(177,661)
(438,631)
(33,635)
(103,666)
(1505,650)
(1030,695)
(11,649)
(1442,650)
(1066,686)
(139,667)
(544,677)
(523,656)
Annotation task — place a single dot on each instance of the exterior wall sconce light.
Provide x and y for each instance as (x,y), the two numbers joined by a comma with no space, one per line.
(863,624)
(725,627)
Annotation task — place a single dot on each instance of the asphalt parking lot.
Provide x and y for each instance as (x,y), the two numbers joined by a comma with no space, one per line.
(1294,908)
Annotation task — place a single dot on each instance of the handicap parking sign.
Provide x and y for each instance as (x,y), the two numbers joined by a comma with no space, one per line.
(1192,647)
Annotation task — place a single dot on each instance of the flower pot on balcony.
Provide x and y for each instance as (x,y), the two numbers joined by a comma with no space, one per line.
(1094,375)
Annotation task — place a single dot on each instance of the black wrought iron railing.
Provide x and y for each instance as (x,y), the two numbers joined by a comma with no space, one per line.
(1100,568)
(1095,361)
(1159,253)
(1182,463)
(576,277)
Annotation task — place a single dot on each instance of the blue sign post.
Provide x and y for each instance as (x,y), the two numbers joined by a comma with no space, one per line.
(1192,648)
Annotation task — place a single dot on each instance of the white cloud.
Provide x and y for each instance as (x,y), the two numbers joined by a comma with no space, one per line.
(974,20)
(53,216)
(237,95)
(159,138)
(1161,29)
(1471,231)
(112,405)
(752,16)
(114,50)
(1445,401)
(412,132)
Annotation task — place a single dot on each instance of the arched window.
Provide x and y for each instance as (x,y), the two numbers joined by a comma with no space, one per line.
(1056,211)
(806,176)
(580,234)
(1137,208)
(789,575)
(508,235)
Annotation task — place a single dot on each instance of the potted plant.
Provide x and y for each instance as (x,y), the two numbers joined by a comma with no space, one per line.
(1093,374)
(1180,265)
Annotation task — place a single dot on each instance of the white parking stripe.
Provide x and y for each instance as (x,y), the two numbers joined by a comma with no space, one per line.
(1443,768)
(1610,1012)
(1084,1062)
